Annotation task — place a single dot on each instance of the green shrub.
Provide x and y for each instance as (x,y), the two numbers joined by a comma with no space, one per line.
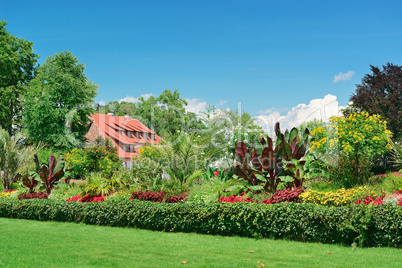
(364,225)
(353,140)
(100,157)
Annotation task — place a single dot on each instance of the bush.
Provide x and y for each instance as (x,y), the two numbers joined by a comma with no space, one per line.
(101,157)
(351,139)
(364,225)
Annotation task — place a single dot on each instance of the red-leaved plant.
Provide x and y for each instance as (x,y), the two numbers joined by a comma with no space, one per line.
(156,197)
(287,195)
(87,198)
(235,199)
(33,195)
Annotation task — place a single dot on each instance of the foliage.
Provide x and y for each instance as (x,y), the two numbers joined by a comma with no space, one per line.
(181,160)
(58,102)
(13,154)
(342,197)
(391,181)
(224,129)
(350,139)
(17,62)
(311,125)
(396,154)
(33,196)
(159,197)
(87,198)
(165,114)
(235,199)
(262,164)
(118,108)
(7,193)
(145,172)
(209,191)
(381,93)
(49,174)
(286,195)
(363,225)
(98,185)
(100,157)
(220,173)
(343,171)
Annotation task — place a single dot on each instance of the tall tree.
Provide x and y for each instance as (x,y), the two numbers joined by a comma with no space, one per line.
(17,62)
(166,114)
(58,102)
(381,93)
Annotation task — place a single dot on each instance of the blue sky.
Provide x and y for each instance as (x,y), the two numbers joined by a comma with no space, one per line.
(269,55)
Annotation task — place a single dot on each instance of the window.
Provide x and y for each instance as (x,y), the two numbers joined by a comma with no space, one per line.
(132,148)
(129,134)
(137,135)
(145,135)
(152,136)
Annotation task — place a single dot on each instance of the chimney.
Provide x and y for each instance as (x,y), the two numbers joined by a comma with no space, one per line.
(110,114)
(126,116)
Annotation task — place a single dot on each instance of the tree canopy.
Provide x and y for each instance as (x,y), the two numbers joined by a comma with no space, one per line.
(165,114)
(17,62)
(58,102)
(381,93)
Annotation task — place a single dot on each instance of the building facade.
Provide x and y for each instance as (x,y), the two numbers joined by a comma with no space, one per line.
(127,134)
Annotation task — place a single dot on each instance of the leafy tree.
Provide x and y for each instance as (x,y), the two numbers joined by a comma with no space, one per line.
(17,62)
(59,96)
(167,115)
(224,128)
(118,108)
(381,93)
(311,125)
(351,139)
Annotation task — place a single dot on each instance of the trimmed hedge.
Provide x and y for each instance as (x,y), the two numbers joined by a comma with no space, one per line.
(363,225)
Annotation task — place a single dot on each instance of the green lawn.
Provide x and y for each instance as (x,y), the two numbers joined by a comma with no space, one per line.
(27,243)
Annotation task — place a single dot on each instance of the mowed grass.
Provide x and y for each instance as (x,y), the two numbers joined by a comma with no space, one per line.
(25,243)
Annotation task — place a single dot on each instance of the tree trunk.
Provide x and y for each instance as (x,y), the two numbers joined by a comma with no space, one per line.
(357,167)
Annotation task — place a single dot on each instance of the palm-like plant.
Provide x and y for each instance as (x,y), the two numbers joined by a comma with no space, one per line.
(182,161)
(98,185)
(396,154)
(12,154)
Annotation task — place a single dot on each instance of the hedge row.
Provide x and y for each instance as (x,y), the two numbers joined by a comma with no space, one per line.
(363,225)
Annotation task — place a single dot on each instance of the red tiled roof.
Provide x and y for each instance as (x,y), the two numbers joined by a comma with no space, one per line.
(117,128)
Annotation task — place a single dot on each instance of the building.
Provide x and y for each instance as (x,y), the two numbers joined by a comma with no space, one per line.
(127,134)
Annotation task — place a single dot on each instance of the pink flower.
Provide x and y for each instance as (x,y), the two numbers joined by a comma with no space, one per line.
(216,173)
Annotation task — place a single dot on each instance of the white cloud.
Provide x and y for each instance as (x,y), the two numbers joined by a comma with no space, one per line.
(222,102)
(146,96)
(317,108)
(196,105)
(135,100)
(343,76)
